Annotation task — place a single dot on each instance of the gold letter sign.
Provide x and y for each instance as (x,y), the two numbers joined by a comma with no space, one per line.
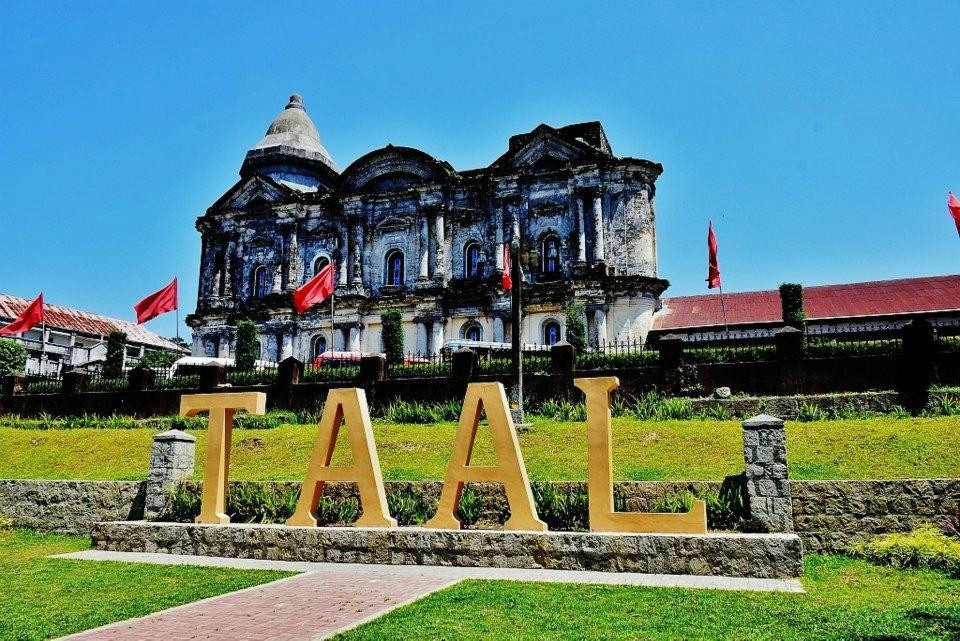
(509,471)
(347,405)
(600,463)
(216,467)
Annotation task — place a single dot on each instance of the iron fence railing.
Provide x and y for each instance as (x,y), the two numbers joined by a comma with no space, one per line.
(259,374)
(421,366)
(331,371)
(727,347)
(42,383)
(615,354)
(171,378)
(859,339)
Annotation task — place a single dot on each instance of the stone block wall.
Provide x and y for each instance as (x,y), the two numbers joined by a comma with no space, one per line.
(70,506)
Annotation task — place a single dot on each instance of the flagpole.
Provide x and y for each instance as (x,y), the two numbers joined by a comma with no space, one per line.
(723,308)
(43,344)
(332,296)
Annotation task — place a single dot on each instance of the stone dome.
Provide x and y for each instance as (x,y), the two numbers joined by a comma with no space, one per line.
(292,135)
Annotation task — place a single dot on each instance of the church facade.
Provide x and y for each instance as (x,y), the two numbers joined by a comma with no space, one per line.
(405,230)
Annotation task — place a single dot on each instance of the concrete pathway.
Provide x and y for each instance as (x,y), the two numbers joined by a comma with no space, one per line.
(329,598)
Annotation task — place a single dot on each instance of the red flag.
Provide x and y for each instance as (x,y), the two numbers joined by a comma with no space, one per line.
(954,206)
(507,283)
(30,316)
(157,303)
(316,290)
(713,266)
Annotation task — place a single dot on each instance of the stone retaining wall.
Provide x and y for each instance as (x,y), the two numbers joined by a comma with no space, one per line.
(828,515)
(769,556)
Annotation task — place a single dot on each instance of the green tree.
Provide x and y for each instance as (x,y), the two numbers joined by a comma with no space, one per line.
(576,324)
(392,320)
(247,342)
(13,357)
(159,358)
(791,302)
(176,340)
(116,350)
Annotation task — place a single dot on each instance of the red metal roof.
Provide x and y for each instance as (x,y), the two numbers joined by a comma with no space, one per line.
(75,320)
(851,300)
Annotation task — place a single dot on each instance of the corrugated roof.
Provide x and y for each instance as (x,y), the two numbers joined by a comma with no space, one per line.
(75,320)
(851,300)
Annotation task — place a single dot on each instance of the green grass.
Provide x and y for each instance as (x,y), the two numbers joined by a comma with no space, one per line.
(883,447)
(845,599)
(42,598)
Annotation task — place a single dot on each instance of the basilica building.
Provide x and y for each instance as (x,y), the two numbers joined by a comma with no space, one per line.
(407,231)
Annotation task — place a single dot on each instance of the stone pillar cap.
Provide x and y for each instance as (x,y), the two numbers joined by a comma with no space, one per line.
(761,421)
(174,435)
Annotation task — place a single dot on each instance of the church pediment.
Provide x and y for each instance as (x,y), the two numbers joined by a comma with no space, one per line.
(547,148)
(255,192)
(394,223)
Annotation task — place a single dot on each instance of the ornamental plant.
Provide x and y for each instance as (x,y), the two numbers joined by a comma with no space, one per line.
(116,344)
(13,357)
(791,302)
(392,320)
(576,324)
(246,344)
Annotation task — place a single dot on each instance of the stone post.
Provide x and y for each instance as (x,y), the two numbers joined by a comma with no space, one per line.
(12,384)
(789,342)
(373,368)
(289,373)
(919,363)
(75,381)
(768,498)
(464,365)
(211,376)
(671,360)
(563,363)
(140,379)
(171,461)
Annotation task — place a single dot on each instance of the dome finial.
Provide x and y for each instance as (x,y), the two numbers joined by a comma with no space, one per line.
(296,102)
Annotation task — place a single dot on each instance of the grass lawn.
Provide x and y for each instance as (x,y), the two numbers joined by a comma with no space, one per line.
(41,598)
(845,599)
(883,447)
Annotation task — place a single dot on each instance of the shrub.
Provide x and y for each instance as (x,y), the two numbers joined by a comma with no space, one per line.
(942,403)
(116,346)
(576,324)
(159,358)
(925,547)
(791,303)
(401,411)
(726,509)
(470,508)
(246,354)
(951,525)
(392,320)
(807,413)
(13,357)
(408,507)
(561,508)
(899,411)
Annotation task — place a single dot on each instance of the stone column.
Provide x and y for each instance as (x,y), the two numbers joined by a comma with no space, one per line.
(358,254)
(223,347)
(286,346)
(599,255)
(498,328)
(440,256)
(581,232)
(767,481)
(171,461)
(228,268)
(421,337)
(600,322)
(345,258)
(498,236)
(437,343)
(293,260)
(424,248)
(354,339)
(277,279)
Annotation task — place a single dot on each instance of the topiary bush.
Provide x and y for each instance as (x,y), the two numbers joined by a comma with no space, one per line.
(246,355)
(926,547)
(13,357)
(791,303)
(116,351)
(576,324)
(392,320)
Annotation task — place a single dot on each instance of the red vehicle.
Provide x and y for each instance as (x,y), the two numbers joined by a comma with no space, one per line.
(340,358)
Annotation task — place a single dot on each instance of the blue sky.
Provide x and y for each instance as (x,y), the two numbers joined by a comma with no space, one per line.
(820,137)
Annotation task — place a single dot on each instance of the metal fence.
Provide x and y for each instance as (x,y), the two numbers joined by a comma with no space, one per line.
(852,340)
(331,371)
(171,378)
(617,354)
(727,348)
(418,365)
(46,383)
(259,375)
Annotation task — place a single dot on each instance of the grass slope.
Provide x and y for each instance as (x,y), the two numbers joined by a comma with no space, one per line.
(41,598)
(883,447)
(845,599)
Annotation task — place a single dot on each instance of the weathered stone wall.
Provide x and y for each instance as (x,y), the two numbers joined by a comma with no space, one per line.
(749,555)
(70,506)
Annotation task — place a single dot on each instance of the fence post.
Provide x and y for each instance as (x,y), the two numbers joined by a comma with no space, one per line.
(919,363)
(171,461)
(671,361)
(12,383)
(75,381)
(289,373)
(141,378)
(464,365)
(563,363)
(211,376)
(789,342)
(373,369)
(769,501)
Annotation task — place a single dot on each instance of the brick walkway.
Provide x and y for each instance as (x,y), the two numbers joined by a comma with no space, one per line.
(308,606)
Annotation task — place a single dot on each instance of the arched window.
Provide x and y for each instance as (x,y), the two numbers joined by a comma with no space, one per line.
(550,255)
(260,282)
(319,264)
(319,346)
(472,331)
(472,260)
(551,333)
(394,268)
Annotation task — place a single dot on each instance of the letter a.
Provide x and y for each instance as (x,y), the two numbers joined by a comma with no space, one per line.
(600,463)
(349,406)
(216,466)
(509,470)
